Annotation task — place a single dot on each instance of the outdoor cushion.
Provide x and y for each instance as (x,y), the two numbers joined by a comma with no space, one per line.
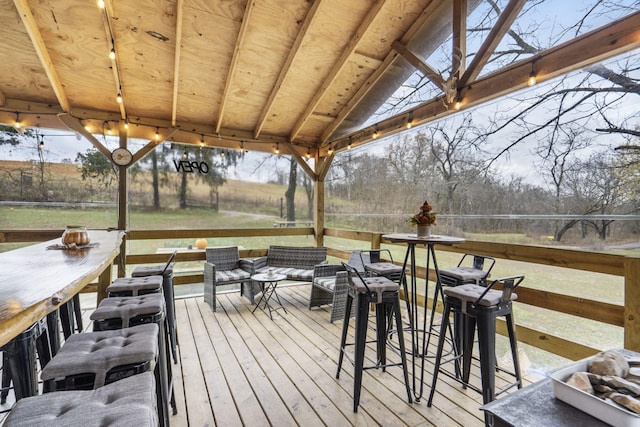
(470,293)
(328,282)
(377,285)
(99,352)
(235,275)
(126,308)
(464,273)
(291,273)
(127,402)
(383,268)
(135,284)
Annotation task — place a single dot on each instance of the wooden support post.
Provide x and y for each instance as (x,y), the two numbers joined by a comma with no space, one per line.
(632,303)
(318,211)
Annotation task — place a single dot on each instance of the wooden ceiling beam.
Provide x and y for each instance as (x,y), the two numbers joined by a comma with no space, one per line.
(610,40)
(359,95)
(420,65)
(76,126)
(301,161)
(349,50)
(459,47)
(362,91)
(176,61)
(495,36)
(106,13)
(233,68)
(41,49)
(286,67)
(138,155)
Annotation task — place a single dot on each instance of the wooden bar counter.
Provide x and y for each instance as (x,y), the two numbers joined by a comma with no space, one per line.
(35,281)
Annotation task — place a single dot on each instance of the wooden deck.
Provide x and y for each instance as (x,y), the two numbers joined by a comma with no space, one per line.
(241,368)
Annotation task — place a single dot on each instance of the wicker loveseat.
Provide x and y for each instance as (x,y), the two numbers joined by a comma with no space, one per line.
(296,262)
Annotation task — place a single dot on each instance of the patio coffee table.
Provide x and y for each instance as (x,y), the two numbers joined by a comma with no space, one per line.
(268,284)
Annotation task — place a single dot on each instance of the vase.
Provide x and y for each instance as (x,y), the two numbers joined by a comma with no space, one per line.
(424,230)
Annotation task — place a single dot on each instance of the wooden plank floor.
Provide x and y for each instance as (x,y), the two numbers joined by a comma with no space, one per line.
(242,368)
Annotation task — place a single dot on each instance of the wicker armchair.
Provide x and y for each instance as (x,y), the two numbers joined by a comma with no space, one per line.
(329,286)
(223,267)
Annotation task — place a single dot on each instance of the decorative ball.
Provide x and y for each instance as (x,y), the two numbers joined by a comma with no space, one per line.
(201,243)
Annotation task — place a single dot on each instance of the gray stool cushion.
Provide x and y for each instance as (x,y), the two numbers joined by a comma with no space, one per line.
(464,273)
(376,284)
(136,284)
(127,307)
(151,270)
(99,352)
(128,402)
(383,268)
(470,293)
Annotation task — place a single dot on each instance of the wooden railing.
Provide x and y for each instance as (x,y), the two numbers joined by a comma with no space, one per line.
(626,315)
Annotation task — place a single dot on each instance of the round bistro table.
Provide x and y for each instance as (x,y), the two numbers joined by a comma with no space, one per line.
(420,333)
(269,284)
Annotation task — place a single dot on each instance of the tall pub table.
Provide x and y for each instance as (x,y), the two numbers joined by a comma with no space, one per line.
(35,281)
(419,331)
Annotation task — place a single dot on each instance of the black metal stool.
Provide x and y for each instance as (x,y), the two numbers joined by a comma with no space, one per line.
(19,364)
(480,307)
(122,312)
(471,268)
(93,359)
(166,271)
(372,262)
(384,294)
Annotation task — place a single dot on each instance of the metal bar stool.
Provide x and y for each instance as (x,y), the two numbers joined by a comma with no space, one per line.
(480,307)
(384,294)
(122,312)
(93,359)
(472,268)
(166,271)
(128,402)
(19,364)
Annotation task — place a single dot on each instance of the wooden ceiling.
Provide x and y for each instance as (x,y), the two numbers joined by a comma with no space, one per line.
(298,75)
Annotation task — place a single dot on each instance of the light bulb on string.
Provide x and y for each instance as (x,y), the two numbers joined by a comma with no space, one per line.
(101,4)
(112,54)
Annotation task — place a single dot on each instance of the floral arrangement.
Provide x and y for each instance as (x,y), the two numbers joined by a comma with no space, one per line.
(425,216)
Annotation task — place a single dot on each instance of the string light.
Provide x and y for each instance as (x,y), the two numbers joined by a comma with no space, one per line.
(112,54)
(18,124)
(185,155)
(458,104)
(410,121)
(126,124)
(101,4)
(277,148)
(330,150)
(532,76)
(308,153)
(119,98)
(41,144)
(202,143)
(157,135)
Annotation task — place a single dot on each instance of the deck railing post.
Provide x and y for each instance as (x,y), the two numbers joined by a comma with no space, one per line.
(376,239)
(632,303)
